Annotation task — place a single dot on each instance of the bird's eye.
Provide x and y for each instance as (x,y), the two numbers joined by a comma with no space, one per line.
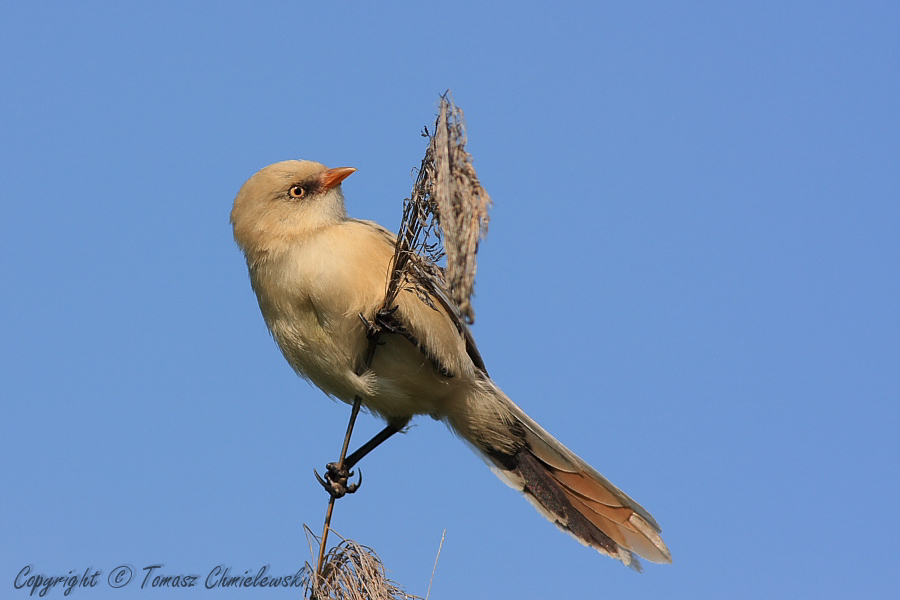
(298,191)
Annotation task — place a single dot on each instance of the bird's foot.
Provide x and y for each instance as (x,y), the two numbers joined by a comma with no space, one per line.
(384,322)
(337,480)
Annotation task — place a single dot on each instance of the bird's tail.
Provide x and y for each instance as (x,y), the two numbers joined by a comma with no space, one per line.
(563,487)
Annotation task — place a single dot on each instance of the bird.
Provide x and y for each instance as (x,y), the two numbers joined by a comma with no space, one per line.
(320,279)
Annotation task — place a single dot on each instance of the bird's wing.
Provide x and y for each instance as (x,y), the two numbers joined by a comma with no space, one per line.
(431,319)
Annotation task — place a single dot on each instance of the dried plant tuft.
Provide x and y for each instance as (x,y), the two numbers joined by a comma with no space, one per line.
(446,217)
(351,571)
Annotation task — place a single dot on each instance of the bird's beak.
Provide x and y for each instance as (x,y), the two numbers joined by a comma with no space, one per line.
(333,177)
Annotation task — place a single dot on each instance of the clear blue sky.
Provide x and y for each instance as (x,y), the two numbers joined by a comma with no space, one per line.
(692,278)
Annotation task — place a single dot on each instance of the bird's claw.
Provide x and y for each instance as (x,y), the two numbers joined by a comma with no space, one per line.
(383,321)
(336,481)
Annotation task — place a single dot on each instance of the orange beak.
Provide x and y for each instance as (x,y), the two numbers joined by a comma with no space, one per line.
(333,177)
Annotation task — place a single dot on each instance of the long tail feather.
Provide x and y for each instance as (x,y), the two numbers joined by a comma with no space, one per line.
(562,486)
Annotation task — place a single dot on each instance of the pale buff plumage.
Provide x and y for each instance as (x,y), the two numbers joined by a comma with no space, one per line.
(315,271)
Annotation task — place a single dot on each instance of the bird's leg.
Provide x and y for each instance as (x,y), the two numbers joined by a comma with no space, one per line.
(376,441)
(337,476)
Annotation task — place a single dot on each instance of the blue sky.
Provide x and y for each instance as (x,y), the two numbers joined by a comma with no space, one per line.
(692,278)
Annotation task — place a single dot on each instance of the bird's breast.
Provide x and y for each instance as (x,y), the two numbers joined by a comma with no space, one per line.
(311,298)
(307,308)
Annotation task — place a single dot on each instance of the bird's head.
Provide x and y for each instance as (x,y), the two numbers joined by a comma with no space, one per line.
(283,202)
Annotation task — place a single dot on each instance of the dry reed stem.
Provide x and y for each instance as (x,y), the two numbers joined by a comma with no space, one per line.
(445,218)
